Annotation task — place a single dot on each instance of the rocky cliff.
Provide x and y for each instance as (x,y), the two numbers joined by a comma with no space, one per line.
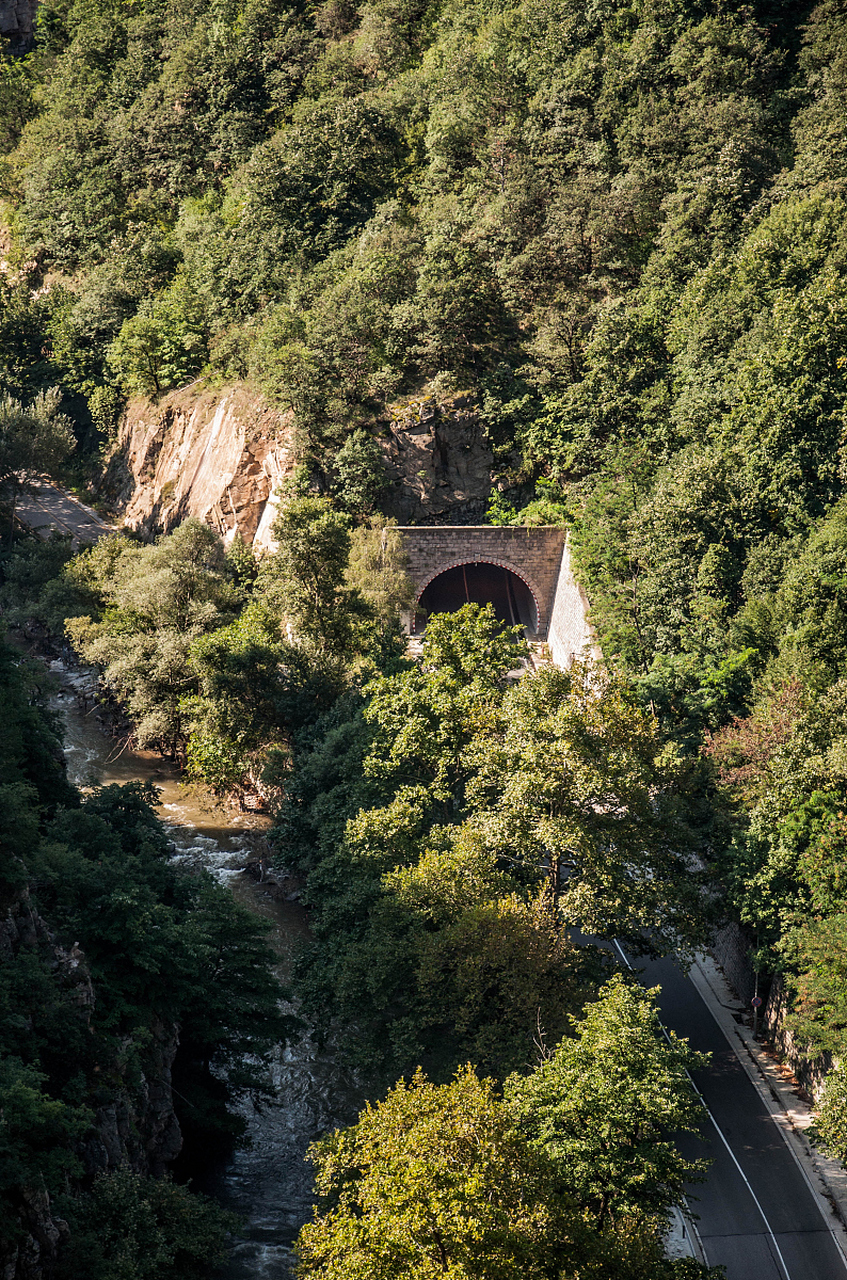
(438,460)
(217,455)
(221,455)
(17,22)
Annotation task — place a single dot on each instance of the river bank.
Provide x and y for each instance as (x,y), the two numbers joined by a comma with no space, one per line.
(268,1182)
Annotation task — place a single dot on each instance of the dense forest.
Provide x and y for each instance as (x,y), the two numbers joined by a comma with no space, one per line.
(619,230)
(118,973)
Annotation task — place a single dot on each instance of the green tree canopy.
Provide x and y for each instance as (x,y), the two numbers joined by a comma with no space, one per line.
(439,1180)
(430,1180)
(607,1103)
(156,601)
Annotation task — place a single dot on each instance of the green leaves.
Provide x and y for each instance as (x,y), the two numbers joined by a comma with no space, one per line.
(830,1125)
(215,659)
(819,1013)
(305,578)
(139,961)
(17,106)
(129,1227)
(162,948)
(31,765)
(452,1179)
(605,1106)
(359,474)
(156,601)
(578,774)
(36,1132)
(430,1181)
(493,814)
(163,344)
(499,972)
(34,438)
(426,717)
(249,170)
(234,719)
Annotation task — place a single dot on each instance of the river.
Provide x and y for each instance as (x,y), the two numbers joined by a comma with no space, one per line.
(269,1182)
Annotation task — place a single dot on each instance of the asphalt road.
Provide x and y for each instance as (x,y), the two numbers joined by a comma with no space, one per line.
(49,508)
(756,1212)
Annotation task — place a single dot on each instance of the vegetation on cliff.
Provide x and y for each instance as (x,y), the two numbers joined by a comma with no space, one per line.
(620,228)
(342,203)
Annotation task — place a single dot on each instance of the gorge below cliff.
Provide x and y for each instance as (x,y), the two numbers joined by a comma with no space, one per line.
(267,1180)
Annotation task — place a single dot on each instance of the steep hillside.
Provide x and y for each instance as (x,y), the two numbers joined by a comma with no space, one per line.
(349,206)
(222,456)
(124,985)
(583,261)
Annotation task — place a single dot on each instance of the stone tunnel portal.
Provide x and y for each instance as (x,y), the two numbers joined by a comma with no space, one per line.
(479,582)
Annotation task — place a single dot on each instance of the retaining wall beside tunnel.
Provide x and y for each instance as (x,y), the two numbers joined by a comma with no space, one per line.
(569,635)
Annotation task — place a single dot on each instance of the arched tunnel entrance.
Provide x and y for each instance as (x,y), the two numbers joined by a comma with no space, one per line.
(479,582)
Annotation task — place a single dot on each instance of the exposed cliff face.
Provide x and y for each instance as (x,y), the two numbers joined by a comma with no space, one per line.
(137,1127)
(33,1255)
(217,455)
(221,455)
(17,21)
(439,461)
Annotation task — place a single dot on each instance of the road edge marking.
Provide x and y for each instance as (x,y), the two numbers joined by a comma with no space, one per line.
(734,1037)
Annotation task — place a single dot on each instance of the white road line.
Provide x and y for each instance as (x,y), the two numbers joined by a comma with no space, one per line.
(723,1139)
(755,1198)
(775,1111)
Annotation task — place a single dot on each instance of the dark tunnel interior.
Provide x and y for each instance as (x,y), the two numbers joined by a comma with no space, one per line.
(479,583)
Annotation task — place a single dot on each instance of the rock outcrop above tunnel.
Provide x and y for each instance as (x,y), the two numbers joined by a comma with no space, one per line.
(439,461)
(221,455)
(17,22)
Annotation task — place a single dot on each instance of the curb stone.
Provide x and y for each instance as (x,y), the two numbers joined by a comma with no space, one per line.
(682,1239)
(826,1177)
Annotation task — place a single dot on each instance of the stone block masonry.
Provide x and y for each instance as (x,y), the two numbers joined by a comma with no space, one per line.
(539,556)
